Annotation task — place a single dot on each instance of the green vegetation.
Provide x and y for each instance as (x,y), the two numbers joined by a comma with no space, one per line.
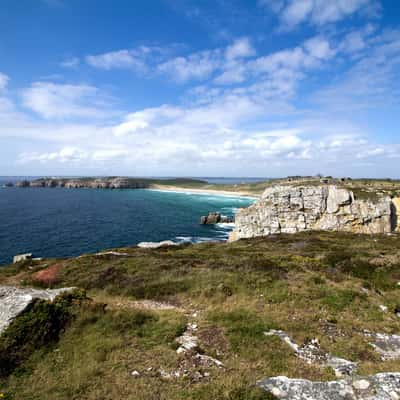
(313,284)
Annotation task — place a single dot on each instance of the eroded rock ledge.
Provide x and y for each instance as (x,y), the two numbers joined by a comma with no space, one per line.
(291,209)
(13,301)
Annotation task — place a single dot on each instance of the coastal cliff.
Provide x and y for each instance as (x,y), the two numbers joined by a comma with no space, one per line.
(103,183)
(291,209)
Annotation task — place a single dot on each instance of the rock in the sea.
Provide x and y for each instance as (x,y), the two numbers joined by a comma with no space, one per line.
(384,386)
(291,209)
(23,184)
(216,218)
(156,245)
(22,257)
(13,301)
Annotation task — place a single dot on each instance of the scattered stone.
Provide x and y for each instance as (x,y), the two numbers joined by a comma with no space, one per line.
(13,301)
(151,305)
(383,386)
(311,353)
(209,361)
(188,342)
(22,257)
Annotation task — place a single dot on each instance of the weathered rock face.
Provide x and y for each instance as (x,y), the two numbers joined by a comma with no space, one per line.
(384,386)
(13,301)
(396,214)
(22,257)
(291,209)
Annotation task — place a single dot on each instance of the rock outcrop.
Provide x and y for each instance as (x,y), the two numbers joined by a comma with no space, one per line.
(105,183)
(22,257)
(312,353)
(384,386)
(13,301)
(216,218)
(291,209)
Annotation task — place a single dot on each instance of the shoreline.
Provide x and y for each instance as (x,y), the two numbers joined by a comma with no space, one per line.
(205,192)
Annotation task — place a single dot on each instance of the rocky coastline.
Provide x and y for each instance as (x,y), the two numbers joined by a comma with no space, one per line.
(92,183)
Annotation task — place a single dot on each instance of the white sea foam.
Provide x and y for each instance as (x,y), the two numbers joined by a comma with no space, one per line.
(211,196)
(226,225)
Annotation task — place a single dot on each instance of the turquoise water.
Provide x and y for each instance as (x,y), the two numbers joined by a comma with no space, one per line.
(68,222)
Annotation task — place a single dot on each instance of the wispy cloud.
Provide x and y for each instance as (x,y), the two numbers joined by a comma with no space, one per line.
(319,12)
(4,79)
(72,62)
(51,100)
(139,59)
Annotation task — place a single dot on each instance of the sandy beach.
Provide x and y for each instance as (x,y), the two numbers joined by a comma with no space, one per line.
(226,193)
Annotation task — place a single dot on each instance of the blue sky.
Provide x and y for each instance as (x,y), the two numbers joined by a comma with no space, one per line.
(200,88)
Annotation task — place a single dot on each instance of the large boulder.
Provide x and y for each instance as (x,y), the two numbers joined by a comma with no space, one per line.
(291,209)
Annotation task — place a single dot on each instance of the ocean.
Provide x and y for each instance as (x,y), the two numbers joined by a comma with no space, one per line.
(58,222)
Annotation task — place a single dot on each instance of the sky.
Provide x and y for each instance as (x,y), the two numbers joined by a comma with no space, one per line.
(261,88)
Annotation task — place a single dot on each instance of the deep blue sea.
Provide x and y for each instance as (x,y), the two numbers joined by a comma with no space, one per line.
(57,222)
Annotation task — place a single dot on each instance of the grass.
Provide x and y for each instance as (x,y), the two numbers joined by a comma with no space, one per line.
(313,284)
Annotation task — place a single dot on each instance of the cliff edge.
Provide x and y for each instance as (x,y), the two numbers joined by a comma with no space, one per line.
(291,209)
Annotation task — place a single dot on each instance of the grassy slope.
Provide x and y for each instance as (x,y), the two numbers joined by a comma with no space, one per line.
(324,285)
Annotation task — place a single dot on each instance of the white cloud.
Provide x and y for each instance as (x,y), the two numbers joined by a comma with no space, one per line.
(195,66)
(64,155)
(259,122)
(296,12)
(72,62)
(115,59)
(4,79)
(319,48)
(369,82)
(51,100)
(241,48)
(319,12)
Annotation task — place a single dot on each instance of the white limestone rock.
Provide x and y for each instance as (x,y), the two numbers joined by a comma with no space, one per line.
(13,301)
(291,209)
(384,386)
